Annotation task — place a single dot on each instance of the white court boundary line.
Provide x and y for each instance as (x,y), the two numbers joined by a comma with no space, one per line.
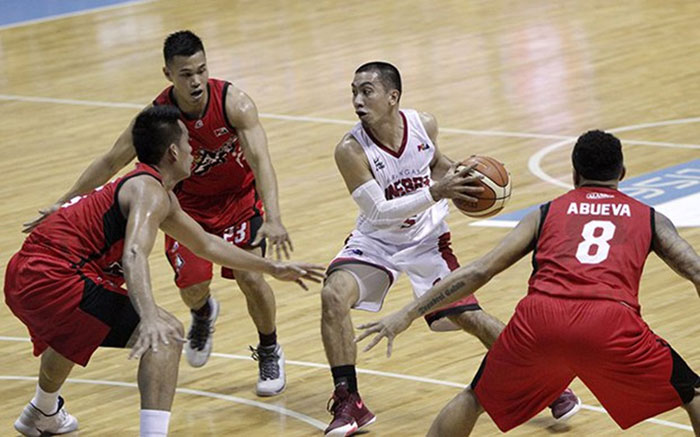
(298,118)
(269,407)
(535,161)
(376,373)
(73,14)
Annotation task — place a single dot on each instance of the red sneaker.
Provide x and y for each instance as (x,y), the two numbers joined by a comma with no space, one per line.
(566,405)
(349,413)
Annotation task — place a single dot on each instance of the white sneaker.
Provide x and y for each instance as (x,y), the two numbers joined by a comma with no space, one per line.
(200,336)
(34,423)
(271,377)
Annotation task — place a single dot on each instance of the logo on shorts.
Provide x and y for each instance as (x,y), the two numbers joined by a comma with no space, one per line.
(179,262)
(356,252)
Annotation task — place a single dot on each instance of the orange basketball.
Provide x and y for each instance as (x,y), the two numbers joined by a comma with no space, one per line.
(496,183)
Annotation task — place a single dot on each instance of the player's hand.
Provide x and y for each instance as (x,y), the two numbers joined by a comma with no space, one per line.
(458,183)
(277,236)
(388,327)
(43,213)
(297,271)
(152,332)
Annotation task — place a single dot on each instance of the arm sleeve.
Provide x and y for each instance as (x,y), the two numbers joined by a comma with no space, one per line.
(370,198)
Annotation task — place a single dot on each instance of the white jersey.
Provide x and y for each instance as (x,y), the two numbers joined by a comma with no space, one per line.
(399,174)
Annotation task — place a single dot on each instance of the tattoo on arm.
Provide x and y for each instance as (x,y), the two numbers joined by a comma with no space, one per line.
(452,289)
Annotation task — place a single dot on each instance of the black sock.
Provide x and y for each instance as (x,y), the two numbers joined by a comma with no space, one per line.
(347,375)
(267,340)
(204,311)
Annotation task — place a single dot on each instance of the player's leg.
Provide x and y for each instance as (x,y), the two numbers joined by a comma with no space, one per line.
(342,291)
(157,380)
(193,277)
(262,308)
(46,412)
(458,417)
(693,409)
(480,324)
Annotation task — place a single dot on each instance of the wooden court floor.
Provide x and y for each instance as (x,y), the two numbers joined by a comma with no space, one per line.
(514,80)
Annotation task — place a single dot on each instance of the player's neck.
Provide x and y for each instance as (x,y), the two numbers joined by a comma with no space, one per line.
(389,130)
(191,111)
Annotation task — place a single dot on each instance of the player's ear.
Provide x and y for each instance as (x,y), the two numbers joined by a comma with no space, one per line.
(173,152)
(394,97)
(166,73)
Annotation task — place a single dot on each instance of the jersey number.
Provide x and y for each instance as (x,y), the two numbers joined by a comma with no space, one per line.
(594,249)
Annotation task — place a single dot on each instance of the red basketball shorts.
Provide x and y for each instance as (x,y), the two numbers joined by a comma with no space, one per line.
(72,311)
(236,219)
(632,372)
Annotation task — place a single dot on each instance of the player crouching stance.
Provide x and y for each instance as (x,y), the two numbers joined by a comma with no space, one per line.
(65,282)
(585,284)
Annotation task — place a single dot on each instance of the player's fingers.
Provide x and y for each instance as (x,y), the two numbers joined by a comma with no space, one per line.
(258,238)
(377,338)
(278,251)
(464,170)
(367,332)
(289,241)
(367,325)
(154,341)
(301,284)
(137,349)
(389,345)
(284,243)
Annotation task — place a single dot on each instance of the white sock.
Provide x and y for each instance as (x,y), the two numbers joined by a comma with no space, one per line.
(46,402)
(154,423)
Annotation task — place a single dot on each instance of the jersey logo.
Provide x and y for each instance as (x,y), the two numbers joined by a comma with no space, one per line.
(198,124)
(422,147)
(114,269)
(378,164)
(207,159)
(593,196)
(220,131)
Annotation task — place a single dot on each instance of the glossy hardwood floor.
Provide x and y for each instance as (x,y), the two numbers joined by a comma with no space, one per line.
(507,79)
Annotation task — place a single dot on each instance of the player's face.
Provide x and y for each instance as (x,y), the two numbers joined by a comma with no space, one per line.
(369,97)
(189,76)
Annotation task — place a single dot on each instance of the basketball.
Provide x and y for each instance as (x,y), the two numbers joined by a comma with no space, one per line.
(496,183)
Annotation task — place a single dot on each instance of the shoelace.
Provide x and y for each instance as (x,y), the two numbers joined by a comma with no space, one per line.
(267,362)
(199,332)
(340,407)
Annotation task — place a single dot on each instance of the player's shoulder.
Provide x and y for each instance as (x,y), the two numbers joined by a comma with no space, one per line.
(348,148)
(429,122)
(240,107)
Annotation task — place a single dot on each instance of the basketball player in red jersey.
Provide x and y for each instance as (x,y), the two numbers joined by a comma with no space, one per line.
(232,179)
(400,180)
(589,247)
(65,284)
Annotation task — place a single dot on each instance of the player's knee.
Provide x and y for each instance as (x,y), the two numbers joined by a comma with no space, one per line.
(334,301)
(195,295)
(467,320)
(249,281)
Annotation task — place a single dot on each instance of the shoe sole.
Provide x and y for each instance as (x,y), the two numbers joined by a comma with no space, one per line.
(339,433)
(270,394)
(187,357)
(571,413)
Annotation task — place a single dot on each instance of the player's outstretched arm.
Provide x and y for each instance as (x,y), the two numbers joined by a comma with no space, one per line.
(97,173)
(460,283)
(145,204)
(242,113)
(675,251)
(184,229)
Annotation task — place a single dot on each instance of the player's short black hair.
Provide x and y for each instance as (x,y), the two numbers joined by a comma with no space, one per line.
(388,74)
(597,156)
(154,130)
(181,43)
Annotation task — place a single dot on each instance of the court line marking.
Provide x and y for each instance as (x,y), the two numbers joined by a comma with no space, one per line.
(73,14)
(397,376)
(299,118)
(269,407)
(535,161)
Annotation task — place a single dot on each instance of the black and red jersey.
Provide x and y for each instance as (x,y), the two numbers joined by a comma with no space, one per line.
(219,166)
(592,243)
(88,231)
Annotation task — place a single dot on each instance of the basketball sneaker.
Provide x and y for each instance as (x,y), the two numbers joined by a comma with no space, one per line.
(35,423)
(200,336)
(566,405)
(349,413)
(271,377)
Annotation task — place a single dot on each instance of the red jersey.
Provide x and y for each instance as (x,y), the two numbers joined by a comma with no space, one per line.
(88,231)
(592,244)
(219,166)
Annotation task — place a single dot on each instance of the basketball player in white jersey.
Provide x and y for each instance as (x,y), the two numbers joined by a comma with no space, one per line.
(400,181)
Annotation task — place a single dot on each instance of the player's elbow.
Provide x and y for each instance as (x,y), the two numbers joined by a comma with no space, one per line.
(132,256)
